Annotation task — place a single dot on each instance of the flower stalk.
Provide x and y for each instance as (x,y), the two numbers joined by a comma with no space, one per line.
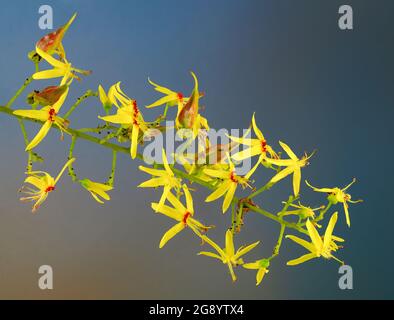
(123,121)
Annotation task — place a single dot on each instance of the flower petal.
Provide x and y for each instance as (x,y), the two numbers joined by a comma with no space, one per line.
(37,182)
(210,254)
(260,275)
(176,203)
(346,209)
(314,235)
(296,181)
(229,243)
(329,230)
(307,245)
(134,141)
(215,246)
(171,233)
(120,117)
(162,101)
(221,190)
(221,174)
(282,174)
(289,152)
(39,136)
(189,199)
(251,266)
(48,74)
(153,172)
(167,211)
(302,259)
(33,114)
(165,163)
(229,196)
(256,130)
(325,190)
(152,183)
(244,250)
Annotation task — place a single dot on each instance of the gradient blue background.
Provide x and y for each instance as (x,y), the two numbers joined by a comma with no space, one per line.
(310,85)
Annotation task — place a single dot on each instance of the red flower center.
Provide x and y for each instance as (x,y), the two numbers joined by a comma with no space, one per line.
(233,177)
(52,114)
(264,145)
(136,111)
(185,217)
(50,189)
(180,96)
(135,107)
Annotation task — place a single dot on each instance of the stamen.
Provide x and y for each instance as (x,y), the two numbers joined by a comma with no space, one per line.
(180,96)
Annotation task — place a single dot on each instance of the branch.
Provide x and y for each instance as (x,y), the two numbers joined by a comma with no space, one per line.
(115,147)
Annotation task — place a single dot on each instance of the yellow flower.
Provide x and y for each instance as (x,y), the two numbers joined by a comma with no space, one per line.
(52,42)
(229,183)
(336,195)
(189,117)
(43,183)
(97,189)
(228,255)
(49,116)
(106,102)
(212,157)
(117,97)
(257,146)
(261,266)
(293,166)
(318,247)
(180,213)
(162,178)
(302,211)
(60,69)
(127,115)
(171,98)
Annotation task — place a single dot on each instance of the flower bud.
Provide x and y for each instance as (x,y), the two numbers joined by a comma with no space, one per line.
(34,56)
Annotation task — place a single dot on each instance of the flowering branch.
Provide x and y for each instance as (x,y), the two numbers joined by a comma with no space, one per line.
(220,175)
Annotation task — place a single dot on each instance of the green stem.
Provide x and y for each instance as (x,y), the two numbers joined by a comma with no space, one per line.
(113,169)
(239,214)
(70,156)
(91,130)
(26,139)
(323,212)
(279,242)
(232,218)
(18,93)
(87,94)
(165,111)
(271,216)
(287,204)
(112,135)
(260,190)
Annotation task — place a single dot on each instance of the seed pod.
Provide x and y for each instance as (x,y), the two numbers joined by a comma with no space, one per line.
(52,42)
(47,97)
